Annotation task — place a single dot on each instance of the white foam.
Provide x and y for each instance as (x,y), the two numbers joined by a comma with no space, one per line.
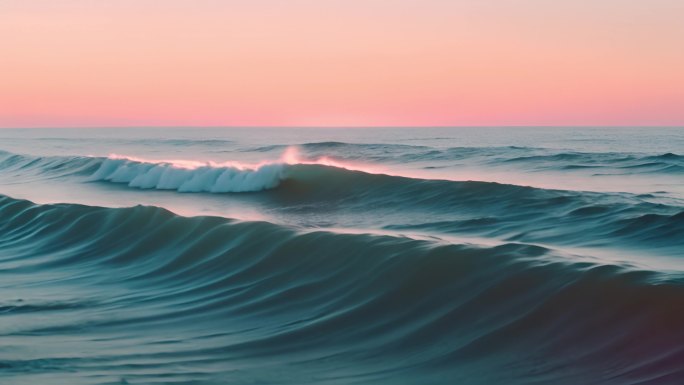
(196,177)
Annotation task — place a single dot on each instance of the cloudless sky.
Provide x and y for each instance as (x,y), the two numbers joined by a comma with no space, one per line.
(339,63)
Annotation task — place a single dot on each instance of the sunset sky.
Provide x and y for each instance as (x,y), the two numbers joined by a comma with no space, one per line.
(341,63)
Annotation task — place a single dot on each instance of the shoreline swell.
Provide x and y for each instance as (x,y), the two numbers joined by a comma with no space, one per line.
(321,306)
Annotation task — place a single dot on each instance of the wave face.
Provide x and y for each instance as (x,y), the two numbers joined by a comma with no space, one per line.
(377,256)
(138,293)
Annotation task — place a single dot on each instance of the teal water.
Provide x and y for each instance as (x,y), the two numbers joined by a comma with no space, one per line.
(338,256)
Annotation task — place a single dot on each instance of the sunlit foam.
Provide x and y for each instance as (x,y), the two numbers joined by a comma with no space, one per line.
(291,156)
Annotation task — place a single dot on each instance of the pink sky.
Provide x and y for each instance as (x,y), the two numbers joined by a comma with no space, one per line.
(340,63)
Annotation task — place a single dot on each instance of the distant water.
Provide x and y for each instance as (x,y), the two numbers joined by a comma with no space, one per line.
(342,256)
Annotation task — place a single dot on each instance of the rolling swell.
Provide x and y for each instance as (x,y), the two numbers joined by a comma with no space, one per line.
(351,198)
(47,166)
(495,210)
(529,158)
(211,300)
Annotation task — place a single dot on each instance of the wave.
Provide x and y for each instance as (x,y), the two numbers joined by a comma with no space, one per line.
(354,195)
(618,163)
(214,177)
(149,292)
(48,166)
(503,156)
(191,177)
(492,210)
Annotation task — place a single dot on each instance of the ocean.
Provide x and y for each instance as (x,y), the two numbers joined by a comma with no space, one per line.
(513,255)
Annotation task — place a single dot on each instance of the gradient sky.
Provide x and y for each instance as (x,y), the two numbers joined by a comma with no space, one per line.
(339,63)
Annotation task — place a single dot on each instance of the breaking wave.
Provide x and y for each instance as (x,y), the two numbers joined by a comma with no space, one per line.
(189,177)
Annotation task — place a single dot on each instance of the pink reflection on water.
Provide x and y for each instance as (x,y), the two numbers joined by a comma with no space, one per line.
(291,156)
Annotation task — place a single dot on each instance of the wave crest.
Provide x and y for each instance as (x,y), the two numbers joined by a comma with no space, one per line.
(211,177)
(169,175)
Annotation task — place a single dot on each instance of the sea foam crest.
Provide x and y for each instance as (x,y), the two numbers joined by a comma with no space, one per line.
(212,177)
(188,176)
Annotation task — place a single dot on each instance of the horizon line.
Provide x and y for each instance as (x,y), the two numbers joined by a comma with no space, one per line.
(340,126)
